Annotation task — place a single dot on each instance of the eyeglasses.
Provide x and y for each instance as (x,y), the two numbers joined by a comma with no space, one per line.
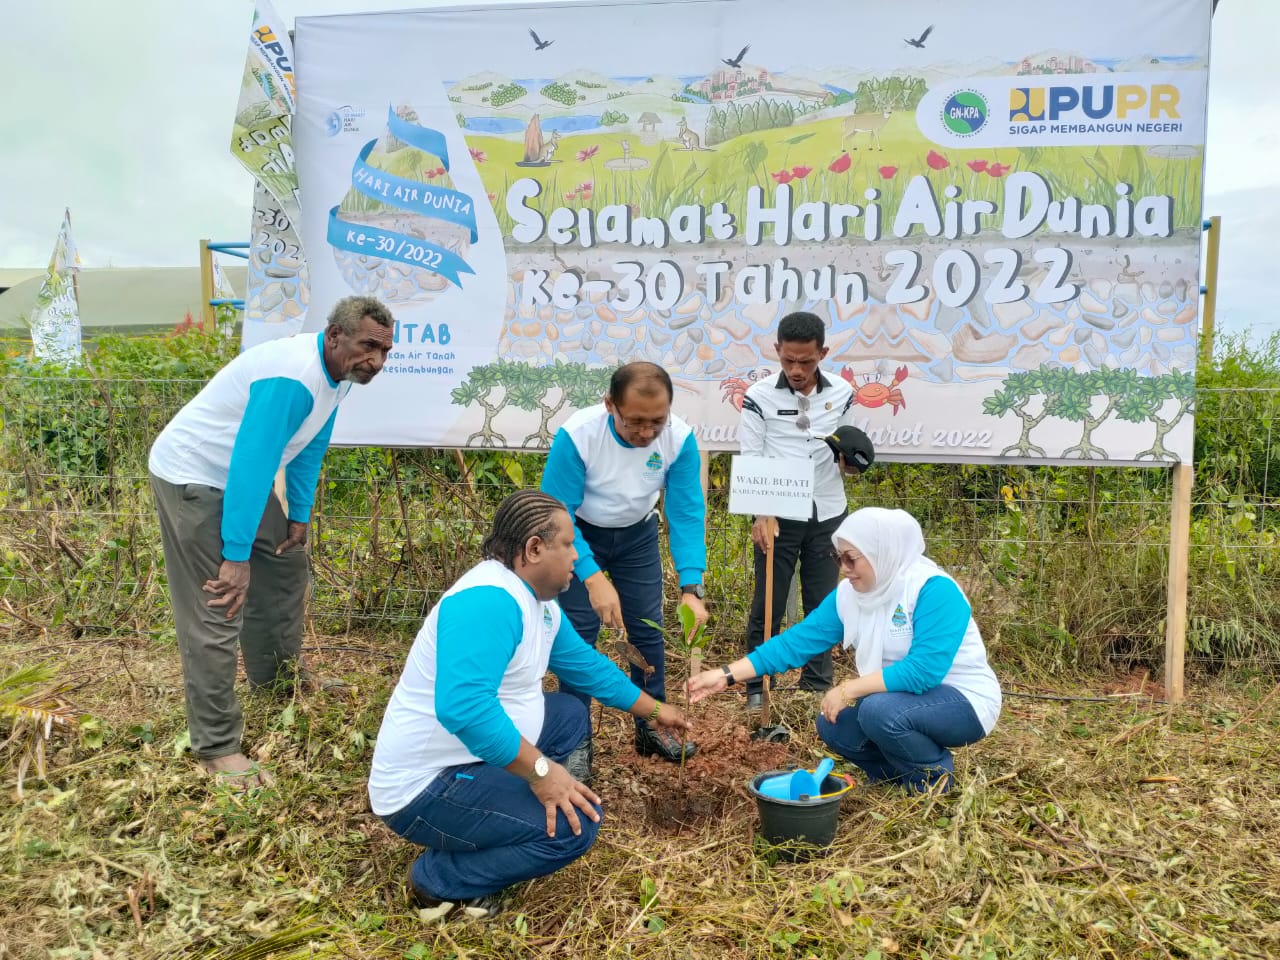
(848,559)
(657,426)
(802,420)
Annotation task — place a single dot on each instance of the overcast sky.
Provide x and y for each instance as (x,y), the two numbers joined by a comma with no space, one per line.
(125,118)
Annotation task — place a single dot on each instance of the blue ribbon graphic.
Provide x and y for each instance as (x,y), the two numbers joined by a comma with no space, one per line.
(423,138)
(389,245)
(422,198)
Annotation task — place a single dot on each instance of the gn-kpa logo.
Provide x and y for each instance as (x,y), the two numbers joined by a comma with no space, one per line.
(1068,103)
(965,113)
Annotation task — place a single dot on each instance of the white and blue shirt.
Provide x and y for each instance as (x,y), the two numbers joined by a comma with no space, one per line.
(932,639)
(271,407)
(472,685)
(607,482)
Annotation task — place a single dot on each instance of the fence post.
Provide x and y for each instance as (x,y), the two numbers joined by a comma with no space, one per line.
(207,316)
(1175,633)
(1212,226)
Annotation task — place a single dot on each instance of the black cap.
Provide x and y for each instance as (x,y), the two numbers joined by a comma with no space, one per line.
(853,445)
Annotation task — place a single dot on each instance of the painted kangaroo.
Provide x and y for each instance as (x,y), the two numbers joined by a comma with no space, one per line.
(686,136)
(549,147)
(869,123)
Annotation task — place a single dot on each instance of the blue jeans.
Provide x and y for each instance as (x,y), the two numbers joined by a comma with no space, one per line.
(630,556)
(903,737)
(482,826)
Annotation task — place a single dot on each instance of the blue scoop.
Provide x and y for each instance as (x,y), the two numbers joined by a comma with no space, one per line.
(798,784)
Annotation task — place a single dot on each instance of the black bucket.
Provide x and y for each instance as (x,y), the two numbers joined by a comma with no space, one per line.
(799,829)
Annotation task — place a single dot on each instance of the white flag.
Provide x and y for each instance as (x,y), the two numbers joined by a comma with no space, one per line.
(55,319)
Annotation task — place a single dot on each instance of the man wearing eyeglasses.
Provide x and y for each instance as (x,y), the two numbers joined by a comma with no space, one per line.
(792,417)
(608,464)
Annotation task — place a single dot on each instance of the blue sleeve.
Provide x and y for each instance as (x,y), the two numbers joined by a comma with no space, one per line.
(582,667)
(276,409)
(938,625)
(687,514)
(470,664)
(565,478)
(303,472)
(816,633)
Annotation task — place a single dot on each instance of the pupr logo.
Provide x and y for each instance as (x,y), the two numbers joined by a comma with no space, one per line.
(899,617)
(655,461)
(1093,102)
(965,112)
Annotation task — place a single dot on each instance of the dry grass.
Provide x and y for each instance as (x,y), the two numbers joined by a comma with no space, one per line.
(1113,829)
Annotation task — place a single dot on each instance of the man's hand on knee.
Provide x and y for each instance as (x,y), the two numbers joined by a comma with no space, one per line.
(230,587)
(560,793)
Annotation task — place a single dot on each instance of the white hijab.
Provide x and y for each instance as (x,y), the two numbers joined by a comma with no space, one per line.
(893,543)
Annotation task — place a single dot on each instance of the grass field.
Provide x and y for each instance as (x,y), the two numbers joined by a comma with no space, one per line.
(1120,828)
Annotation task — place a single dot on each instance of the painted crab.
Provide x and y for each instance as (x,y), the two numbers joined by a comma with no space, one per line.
(734,389)
(873,393)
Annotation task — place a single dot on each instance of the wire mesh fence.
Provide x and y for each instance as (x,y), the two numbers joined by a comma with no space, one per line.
(1065,566)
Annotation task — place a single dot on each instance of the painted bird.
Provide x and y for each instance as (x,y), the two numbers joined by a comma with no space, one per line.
(539,43)
(737,61)
(919,42)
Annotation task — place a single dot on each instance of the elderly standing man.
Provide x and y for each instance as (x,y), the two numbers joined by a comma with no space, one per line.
(236,562)
(608,464)
(469,762)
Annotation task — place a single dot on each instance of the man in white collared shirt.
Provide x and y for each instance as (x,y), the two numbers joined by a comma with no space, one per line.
(790,417)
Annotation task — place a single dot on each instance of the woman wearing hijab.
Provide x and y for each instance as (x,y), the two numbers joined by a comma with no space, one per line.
(923,685)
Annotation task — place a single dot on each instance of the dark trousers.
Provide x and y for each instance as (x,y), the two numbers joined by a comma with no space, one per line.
(807,542)
(630,556)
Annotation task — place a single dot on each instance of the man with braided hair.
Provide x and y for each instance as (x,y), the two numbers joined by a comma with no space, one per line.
(468,762)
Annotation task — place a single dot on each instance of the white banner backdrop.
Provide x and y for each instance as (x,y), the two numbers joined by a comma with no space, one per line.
(1000,226)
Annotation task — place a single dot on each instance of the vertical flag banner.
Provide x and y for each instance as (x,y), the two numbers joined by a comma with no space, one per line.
(276,289)
(55,319)
(999,226)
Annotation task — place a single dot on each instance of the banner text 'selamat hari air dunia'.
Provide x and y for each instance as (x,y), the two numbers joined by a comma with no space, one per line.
(998,216)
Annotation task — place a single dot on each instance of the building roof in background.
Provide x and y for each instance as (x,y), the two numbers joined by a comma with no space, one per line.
(117,297)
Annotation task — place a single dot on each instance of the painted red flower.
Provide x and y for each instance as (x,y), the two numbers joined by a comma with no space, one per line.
(801,171)
(937,161)
(430,174)
(586,187)
(841,163)
(587,154)
(977,166)
(997,169)
(493,197)
(440,171)
(478,156)
(783,176)
(571,195)
(888,172)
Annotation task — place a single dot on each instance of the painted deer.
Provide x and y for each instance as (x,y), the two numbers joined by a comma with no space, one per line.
(869,123)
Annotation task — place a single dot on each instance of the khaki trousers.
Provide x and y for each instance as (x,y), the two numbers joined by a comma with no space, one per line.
(267,629)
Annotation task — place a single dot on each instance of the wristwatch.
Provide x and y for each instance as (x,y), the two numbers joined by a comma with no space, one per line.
(541,767)
(728,676)
(697,589)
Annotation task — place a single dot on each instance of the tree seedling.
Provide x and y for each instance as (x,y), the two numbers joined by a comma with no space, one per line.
(690,639)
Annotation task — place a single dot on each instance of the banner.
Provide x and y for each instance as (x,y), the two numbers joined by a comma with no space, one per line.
(55,319)
(261,139)
(999,224)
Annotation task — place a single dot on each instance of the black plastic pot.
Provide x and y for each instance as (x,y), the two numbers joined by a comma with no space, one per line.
(799,829)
